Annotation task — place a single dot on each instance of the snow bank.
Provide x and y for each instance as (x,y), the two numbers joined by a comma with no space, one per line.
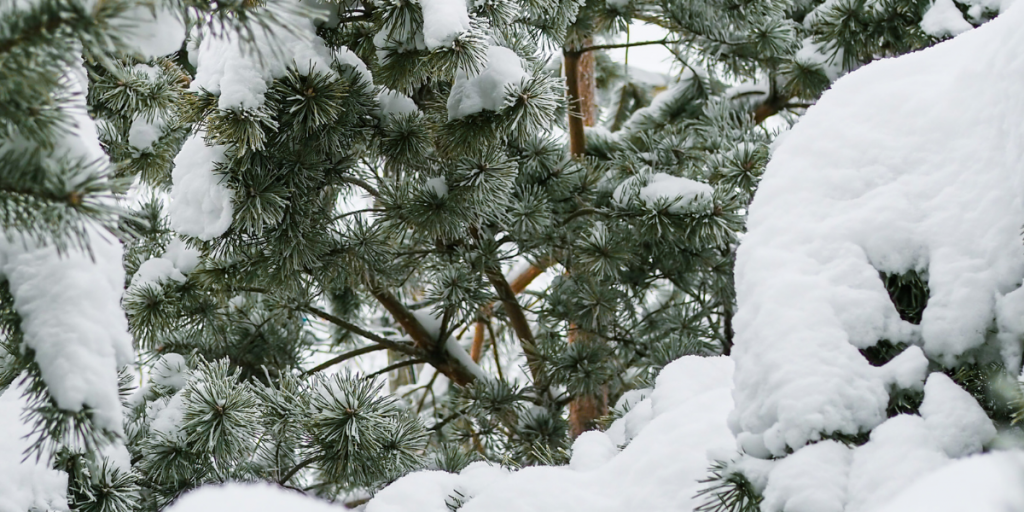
(878,177)
(658,470)
(984,483)
(250,498)
(25,484)
(486,91)
(200,205)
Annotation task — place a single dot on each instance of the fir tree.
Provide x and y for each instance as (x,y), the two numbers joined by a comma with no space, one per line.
(444,125)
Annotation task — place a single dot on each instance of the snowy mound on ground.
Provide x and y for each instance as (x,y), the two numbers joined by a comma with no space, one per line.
(261,497)
(912,163)
(658,470)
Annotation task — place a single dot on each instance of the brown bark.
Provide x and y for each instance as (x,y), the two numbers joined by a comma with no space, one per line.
(518,285)
(517,319)
(585,410)
(588,88)
(577,139)
(435,352)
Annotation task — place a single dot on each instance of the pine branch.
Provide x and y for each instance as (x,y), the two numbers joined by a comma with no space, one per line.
(518,284)
(431,350)
(395,366)
(344,357)
(517,319)
(584,211)
(384,342)
(591,48)
(298,467)
(361,184)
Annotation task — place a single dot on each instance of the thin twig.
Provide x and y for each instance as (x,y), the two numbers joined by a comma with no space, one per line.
(627,44)
(344,357)
(395,366)
(391,344)
(298,467)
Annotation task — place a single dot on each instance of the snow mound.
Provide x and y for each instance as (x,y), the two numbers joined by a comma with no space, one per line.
(985,483)
(249,497)
(486,91)
(25,484)
(658,470)
(944,19)
(878,177)
(200,205)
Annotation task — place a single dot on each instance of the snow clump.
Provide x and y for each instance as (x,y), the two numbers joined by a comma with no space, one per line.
(487,90)
(200,204)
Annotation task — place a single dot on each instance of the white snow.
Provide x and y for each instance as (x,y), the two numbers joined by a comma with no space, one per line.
(658,471)
(683,194)
(487,90)
(262,497)
(71,316)
(241,73)
(437,185)
(171,371)
(811,480)
(176,261)
(152,28)
(944,19)
(810,53)
(167,417)
(876,178)
(200,205)
(984,483)
(181,256)
(394,103)
(957,423)
(144,132)
(908,369)
(155,270)
(25,483)
(592,450)
(443,21)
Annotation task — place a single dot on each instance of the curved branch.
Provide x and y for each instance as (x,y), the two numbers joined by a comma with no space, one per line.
(391,344)
(344,357)
(288,476)
(395,366)
(361,184)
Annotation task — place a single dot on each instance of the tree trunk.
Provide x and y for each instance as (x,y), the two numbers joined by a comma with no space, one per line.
(584,411)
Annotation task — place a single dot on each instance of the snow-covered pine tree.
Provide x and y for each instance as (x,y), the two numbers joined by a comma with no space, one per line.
(377,169)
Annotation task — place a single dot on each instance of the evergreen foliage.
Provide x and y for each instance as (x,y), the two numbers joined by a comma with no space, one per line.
(230,382)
